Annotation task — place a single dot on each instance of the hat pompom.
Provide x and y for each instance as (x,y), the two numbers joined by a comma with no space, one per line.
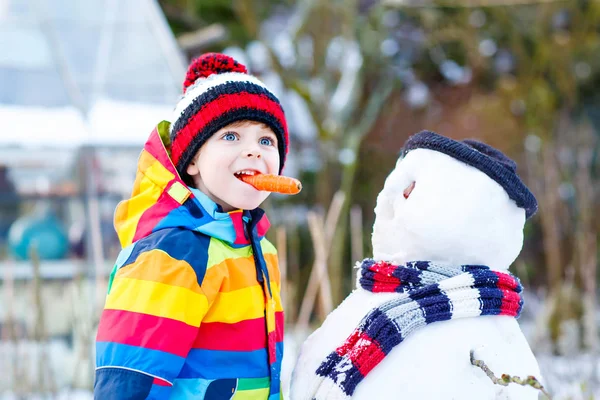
(211,63)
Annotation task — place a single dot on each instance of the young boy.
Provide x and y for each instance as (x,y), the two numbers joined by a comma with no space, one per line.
(193,308)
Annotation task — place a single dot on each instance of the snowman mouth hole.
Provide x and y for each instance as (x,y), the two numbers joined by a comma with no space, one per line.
(408,190)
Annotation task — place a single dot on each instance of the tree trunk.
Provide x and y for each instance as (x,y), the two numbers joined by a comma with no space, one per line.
(587,244)
(550,208)
(340,272)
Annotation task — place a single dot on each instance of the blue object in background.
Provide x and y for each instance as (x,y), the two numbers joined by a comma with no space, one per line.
(44,231)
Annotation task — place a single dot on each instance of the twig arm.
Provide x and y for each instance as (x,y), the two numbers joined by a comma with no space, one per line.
(505,379)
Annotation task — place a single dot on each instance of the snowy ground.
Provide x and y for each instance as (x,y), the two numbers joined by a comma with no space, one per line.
(63,395)
(567,379)
(574,377)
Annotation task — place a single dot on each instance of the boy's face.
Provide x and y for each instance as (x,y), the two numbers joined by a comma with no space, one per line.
(242,146)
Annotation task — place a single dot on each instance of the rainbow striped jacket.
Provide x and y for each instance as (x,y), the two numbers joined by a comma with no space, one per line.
(193,309)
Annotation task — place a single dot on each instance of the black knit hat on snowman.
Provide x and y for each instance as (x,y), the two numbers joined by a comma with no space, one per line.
(485,158)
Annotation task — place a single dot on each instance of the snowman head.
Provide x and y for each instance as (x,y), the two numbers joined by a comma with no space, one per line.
(452,202)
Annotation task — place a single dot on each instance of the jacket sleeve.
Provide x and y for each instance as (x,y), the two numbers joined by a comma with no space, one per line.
(152,314)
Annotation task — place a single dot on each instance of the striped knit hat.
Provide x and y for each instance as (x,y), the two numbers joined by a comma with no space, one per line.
(485,158)
(217,92)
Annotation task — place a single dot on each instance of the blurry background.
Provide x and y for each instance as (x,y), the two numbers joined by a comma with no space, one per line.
(82,83)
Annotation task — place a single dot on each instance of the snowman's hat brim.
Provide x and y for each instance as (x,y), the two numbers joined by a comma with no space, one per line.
(485,158)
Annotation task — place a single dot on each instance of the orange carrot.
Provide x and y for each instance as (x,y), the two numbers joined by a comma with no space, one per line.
(273,183)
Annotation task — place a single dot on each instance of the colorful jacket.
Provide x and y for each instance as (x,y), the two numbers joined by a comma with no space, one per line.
(193,309)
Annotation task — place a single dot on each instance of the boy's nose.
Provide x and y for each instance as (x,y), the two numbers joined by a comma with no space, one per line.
(252,152)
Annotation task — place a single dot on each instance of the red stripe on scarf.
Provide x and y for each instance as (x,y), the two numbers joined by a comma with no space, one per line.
(363,351)
(385,281)
(510,299)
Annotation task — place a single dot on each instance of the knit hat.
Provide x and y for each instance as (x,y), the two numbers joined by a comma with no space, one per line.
(217,92)
(487,159)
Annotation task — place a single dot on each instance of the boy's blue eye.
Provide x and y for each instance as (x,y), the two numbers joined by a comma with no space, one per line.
(229,136)
(266,141)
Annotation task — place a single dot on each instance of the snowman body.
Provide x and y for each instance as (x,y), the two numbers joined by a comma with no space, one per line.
(435,208)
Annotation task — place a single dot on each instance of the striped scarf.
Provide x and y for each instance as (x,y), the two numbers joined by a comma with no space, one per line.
(428,292)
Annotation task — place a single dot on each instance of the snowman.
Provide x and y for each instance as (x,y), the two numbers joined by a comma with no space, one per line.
(449,223)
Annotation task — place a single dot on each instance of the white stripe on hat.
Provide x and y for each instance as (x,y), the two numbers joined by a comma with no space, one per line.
(203,85)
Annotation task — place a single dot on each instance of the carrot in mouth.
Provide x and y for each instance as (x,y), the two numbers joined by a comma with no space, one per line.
(273,183)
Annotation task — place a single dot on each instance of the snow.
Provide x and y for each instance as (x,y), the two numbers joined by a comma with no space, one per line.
(575,377)
(40,127)
(21,360)
(74,394)
(125,123)
(567,377)
(109,122)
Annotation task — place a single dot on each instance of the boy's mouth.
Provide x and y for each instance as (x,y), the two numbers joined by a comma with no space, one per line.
(243,172)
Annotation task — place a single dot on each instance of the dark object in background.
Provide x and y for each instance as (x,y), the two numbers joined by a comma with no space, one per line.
(9,203)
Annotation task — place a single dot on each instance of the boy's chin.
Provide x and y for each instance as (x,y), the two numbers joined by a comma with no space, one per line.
(247,203)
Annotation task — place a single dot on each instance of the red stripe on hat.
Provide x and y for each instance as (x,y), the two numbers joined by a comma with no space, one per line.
(136,329)
(219,106)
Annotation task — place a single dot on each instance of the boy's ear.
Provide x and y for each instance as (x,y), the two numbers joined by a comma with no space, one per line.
(192,168)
